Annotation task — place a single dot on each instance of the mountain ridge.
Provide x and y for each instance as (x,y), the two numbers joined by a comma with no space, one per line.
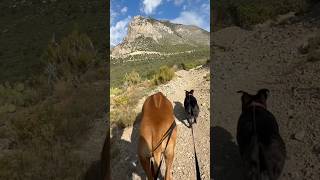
(146,34)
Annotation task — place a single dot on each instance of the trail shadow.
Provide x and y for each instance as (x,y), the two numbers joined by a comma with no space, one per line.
(124,154)
(180,113)
(100,169)
(224,157)
(94,171)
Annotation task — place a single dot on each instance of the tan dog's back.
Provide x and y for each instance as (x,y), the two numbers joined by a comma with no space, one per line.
(157,117)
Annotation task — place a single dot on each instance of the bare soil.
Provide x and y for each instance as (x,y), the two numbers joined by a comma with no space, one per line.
(267,57)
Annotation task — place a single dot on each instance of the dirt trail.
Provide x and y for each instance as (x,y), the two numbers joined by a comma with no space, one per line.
(184,165)
(266,57)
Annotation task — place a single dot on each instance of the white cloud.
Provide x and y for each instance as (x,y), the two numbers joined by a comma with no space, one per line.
(184,7)
(149,6)
(113,15)
(206,8)
(178,2)
(189,18)
(119,31)
(124,10)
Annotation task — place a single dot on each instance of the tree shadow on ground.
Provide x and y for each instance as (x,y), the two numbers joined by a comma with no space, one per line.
(180,114)
(94,171)
(224,157)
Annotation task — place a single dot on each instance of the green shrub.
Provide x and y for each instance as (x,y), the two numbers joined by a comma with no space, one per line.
(17,95)
(115,91)
(70,58)
(121,100)
(123,116)
(123,106)
(123,112)
(191,65)
(132,78)
(164,75)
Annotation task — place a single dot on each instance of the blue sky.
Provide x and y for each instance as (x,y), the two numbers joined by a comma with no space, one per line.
(191,12)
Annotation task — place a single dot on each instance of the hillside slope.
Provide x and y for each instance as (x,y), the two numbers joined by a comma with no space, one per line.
(26,28)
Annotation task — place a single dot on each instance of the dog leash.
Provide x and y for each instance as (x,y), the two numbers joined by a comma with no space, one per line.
(256,137)
(167,134)
(195,156)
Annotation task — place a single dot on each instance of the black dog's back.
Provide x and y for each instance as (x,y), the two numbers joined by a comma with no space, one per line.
(261,146)
(191,105)
(266,126)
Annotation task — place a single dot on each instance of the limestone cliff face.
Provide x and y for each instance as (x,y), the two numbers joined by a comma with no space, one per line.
(151,35)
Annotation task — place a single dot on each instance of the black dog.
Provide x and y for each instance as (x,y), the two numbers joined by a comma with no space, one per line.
(191,107)
(261,146)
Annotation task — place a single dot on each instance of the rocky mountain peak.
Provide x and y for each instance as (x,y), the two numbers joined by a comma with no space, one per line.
(148,34)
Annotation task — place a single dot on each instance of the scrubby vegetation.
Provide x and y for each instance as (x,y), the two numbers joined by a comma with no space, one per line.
(249,12)
(46,119)
(125,96)
(164,75)
(132,78)
(26,27)
(71,58)
(52,85)
(147,66)
(191,65)
(124,99)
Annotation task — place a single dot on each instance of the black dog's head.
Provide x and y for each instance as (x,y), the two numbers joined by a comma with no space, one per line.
(260,98)
(189,92)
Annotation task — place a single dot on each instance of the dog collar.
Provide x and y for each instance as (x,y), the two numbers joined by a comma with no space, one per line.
(254,103)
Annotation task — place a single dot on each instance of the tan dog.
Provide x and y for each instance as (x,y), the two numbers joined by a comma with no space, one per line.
(157,118)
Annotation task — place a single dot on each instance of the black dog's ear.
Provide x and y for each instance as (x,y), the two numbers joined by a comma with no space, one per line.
(191,92)
(186,92)
(245,98)
(263,94)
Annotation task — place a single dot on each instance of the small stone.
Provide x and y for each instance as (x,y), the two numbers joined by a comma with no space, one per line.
(299,135)
(290,112)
